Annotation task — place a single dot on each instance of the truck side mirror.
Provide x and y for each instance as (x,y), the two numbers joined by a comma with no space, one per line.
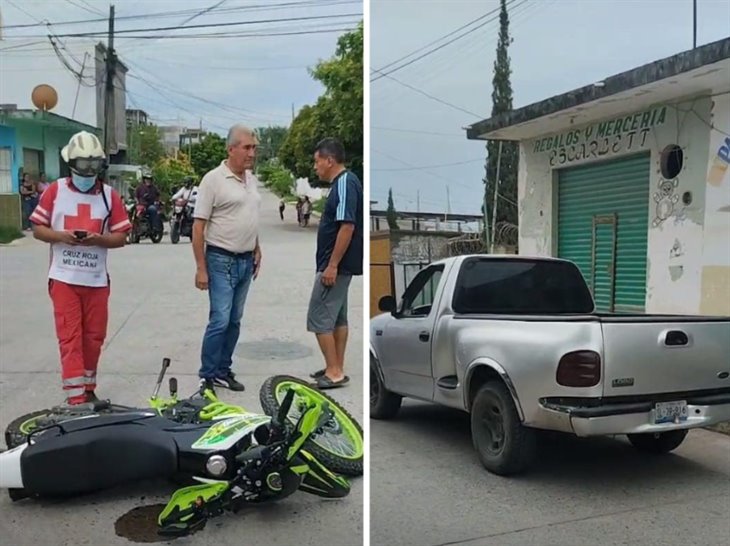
(387,304)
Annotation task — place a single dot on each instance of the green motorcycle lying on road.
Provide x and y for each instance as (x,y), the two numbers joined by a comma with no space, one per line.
(304,441)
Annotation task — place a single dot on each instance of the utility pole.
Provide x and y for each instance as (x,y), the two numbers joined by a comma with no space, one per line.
(418,210)
(496,196)
(448,203)
(694,24)
(109,129)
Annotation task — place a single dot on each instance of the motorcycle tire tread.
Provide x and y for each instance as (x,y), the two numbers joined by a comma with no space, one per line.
(270,405)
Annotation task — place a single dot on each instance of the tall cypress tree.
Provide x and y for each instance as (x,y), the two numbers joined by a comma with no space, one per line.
(390,214)
(502,102)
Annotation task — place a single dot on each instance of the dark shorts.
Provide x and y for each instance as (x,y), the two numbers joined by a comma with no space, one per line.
(328,305)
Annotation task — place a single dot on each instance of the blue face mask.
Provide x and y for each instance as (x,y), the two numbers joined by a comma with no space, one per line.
(83,183)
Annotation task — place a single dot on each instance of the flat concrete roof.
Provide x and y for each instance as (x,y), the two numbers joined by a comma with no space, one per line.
(697,72)
(47,119)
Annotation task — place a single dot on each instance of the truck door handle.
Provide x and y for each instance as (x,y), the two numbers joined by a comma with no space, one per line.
(424,336)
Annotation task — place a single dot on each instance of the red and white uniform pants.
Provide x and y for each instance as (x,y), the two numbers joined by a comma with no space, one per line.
(81,314)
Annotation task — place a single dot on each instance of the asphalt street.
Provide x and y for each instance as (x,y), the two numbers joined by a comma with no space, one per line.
(156,312)
(428,488)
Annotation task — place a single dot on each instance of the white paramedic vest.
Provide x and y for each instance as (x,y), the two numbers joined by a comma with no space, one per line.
(79,265)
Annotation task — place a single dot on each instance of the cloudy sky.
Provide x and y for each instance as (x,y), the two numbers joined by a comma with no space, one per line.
(253,79)
(418,143)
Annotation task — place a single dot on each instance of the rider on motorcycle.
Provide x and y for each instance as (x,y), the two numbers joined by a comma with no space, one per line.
(148,195)
(188,192)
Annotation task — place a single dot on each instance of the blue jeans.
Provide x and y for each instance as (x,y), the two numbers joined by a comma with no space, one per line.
(228,281)
(154,218)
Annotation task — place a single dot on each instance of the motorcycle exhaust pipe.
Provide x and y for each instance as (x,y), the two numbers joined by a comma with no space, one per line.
(165,365)
(11,476)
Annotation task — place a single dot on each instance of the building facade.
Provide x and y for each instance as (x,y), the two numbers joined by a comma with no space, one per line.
(629,179)
(31,142)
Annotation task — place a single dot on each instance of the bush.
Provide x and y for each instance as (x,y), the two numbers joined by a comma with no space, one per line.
(8,234)
(318,206)
(276,178)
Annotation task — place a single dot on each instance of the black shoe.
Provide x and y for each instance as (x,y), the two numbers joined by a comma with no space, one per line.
(206,384)
(229,382)
(91,397)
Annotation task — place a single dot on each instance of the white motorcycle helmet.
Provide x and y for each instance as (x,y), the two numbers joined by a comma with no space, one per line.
(84,154)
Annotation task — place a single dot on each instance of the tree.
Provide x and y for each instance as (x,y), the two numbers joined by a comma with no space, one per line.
(501,103)
(208,154)
(390,215)
(145,145)
(270,141)
(169,172)
(338,112)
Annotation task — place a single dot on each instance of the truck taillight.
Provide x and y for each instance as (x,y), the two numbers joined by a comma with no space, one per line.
(579,369)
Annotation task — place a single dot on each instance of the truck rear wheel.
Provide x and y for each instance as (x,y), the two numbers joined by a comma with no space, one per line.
(503,444)
(659,442)
(383,403)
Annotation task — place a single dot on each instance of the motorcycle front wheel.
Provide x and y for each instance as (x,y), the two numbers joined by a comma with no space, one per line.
(156,236)
(339,445)
(175,233)
(18,431)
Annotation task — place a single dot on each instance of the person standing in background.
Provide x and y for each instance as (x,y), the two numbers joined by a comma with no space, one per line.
(42,184)
(29,196)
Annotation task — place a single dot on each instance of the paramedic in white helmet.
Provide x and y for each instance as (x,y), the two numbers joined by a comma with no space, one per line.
(82,218)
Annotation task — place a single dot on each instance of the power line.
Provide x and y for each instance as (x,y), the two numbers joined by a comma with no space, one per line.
(435,49)
(426,167)
(85,8)
(208,25)
(432,97)
(437,40)
(169,14)
(415,131)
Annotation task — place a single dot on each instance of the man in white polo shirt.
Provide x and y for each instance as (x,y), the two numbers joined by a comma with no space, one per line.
(227,253)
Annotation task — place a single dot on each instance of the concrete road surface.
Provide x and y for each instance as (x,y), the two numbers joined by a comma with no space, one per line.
(428,488)
(156,312)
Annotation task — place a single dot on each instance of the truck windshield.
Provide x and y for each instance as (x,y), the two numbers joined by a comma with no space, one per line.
(521,287)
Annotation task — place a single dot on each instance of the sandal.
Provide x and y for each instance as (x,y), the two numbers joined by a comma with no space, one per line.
(325,382)
(318,373)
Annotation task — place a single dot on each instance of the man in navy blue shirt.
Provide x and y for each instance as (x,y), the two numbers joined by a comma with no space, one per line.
(339,257)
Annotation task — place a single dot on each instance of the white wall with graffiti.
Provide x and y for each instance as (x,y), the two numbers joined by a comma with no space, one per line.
(688,252)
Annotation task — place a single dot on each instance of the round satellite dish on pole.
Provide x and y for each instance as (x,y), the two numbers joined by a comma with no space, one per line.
(44,97)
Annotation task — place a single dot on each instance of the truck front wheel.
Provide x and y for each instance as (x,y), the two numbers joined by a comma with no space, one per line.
(503,444)
(659,442)
(383,403)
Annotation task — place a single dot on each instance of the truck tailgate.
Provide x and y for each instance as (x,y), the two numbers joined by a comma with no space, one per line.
(653,356)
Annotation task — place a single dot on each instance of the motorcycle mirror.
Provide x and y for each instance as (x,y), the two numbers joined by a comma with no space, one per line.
(173,386)
(165,365)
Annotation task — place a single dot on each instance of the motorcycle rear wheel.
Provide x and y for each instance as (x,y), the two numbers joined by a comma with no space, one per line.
(156,237)
(340,446)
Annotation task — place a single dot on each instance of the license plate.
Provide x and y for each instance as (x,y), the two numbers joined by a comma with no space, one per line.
(670,412)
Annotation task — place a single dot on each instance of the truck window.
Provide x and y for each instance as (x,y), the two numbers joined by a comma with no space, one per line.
(521,287)
(418,297)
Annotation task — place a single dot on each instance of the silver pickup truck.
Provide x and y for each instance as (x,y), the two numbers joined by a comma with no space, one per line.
(516,342)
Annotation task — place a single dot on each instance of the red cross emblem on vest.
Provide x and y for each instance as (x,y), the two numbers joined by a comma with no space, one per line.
(82,220)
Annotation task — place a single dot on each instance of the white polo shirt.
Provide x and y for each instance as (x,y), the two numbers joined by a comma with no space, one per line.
(231,206)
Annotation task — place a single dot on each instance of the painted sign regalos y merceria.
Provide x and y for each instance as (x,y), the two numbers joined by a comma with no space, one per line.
(622,134)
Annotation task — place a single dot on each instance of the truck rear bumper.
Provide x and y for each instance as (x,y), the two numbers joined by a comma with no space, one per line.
(639,417)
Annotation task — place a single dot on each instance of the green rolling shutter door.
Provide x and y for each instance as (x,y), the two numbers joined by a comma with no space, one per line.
(603,220)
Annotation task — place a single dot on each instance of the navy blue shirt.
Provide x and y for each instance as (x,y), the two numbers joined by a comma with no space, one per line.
(343,205)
